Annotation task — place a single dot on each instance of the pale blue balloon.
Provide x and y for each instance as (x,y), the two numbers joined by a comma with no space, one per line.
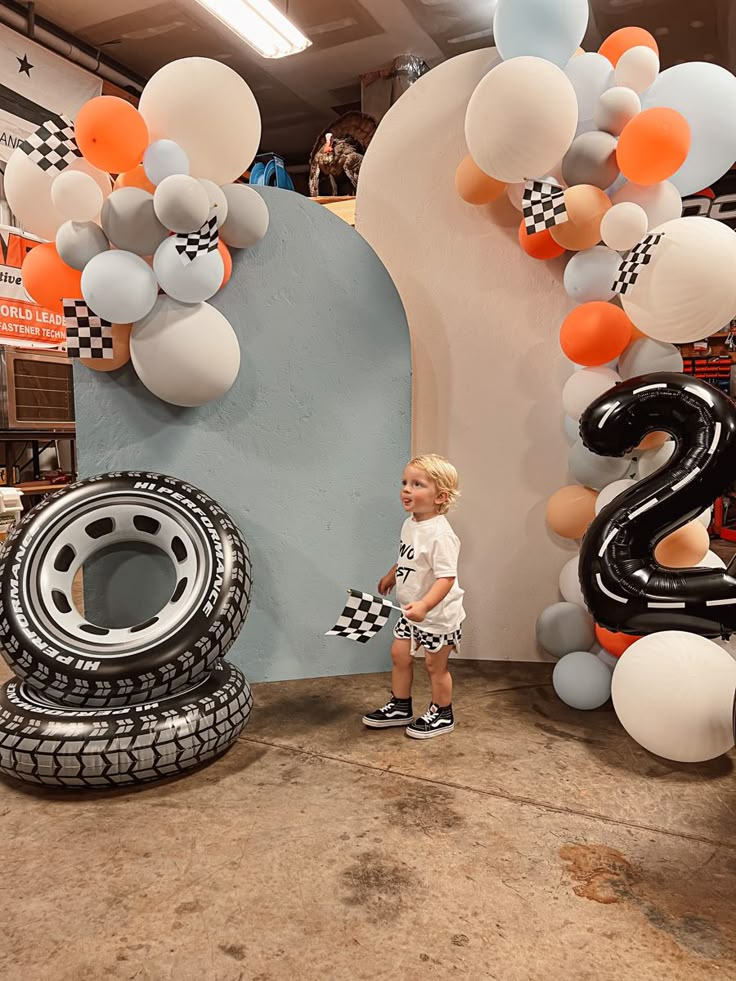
(582,680)
(705,94)
(591,75)
(162,159)
(592,470)
(551,29)
(589,275)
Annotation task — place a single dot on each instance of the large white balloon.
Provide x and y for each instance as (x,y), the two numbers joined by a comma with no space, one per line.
(119,286)
(590,75)
(688,289)
(521,119)
(190,282)
(540,28)
(209,111)
(611,492)
(673,692)
(662,202)
(28,191)
(705,94)
(584,386)
(166,349)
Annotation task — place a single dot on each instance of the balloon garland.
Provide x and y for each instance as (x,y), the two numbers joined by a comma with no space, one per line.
(129,260)
(596,149)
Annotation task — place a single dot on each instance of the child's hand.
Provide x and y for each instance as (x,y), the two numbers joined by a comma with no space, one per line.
(415,611)
(386,584)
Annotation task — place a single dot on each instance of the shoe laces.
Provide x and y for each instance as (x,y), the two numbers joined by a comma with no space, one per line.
(431,714)
(391,703)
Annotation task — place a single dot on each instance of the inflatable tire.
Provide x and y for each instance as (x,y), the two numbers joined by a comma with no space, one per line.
(44,742)
(53,648)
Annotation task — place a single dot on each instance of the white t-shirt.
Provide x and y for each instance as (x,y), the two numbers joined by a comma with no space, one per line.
(428,551)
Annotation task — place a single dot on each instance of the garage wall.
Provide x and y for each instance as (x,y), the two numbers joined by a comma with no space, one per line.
(305,451)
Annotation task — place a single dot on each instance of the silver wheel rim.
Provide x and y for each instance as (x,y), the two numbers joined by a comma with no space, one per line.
(63,545)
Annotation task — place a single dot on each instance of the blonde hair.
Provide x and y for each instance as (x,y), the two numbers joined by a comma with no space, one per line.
(442,472)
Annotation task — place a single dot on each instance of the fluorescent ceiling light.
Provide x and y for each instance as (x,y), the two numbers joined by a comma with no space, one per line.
(261,24)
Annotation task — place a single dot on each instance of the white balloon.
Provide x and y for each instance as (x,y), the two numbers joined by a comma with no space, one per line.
(711,560)
(705,94)
(662,202)
(616,107)
(705,517)
(218,201)
(162,159)
(688,290)
(28,191)
(637,68)
(209,111)
(190,282)
(570,582)
(650,461)
(515,194)
(181,203)
(645,355)
(76,195)
(166,349)
(590,75)
(673,692)
(119,286)
(585,386)
(611,492)
(623,225)
(590,274)
(247,216)
(521,119)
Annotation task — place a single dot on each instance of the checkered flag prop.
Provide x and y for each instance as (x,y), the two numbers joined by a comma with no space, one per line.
(52,146)
(87,335)
(364,615)
(543,206)
(197,243)
(639,256)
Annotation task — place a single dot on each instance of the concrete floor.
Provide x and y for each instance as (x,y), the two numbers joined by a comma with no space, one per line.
(535,842)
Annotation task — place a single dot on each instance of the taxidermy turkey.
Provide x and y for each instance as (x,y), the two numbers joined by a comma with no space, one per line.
(339,151)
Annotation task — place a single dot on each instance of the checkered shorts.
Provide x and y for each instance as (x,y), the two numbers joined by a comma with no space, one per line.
(430,642)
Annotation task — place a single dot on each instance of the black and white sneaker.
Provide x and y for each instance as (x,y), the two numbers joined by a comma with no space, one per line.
(396,712)
(434,722)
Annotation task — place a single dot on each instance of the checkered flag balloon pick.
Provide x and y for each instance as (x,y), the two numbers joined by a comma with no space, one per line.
(52,146)
(543,206)
(87,335)
(364,615)
(197,243)
(639,256)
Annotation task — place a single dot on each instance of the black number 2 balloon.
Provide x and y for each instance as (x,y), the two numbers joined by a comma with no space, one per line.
(623,585)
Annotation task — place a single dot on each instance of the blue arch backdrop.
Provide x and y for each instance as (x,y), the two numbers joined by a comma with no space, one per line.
(305,451)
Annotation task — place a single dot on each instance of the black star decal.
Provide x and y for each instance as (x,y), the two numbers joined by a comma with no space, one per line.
(25,65)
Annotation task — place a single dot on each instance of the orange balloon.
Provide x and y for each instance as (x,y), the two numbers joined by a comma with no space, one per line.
(613,641)
(111,133)
(135,178)
(627,37)
(539,245)
(48,280)
(585,205)
(653,145)
(570,510)
(653,441)
(474,186)
(120,351)
(595,333)
(684,548)
(227,259)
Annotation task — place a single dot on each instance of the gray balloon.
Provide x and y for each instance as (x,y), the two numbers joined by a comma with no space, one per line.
(181,203)
(582,680)
(188,282)
(645,355)
(130,222)
(572,429)
(79,241)
(592,470)
(565,627)
(591,159)
(247,216)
